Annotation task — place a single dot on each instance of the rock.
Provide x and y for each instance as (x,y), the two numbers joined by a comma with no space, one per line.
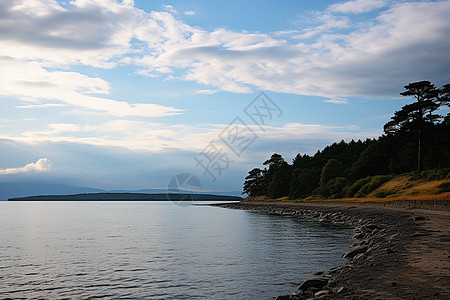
(353,252)
(358,236)
(389,250)
(315,283)
(335,269)
(313,289)
(394,283)
(318,273)
(371,226)
(358,256)
(284,297)
(321,293)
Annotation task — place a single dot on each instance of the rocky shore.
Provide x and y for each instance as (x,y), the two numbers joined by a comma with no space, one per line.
(398,253)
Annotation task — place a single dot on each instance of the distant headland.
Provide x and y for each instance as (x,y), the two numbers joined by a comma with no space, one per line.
(176,197)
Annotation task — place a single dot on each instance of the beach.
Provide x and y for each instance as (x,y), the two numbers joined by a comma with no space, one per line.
(398,253)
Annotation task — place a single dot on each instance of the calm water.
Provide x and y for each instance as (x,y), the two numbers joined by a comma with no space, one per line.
(158,250)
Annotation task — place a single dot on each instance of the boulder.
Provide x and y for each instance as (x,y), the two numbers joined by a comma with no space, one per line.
(314,283)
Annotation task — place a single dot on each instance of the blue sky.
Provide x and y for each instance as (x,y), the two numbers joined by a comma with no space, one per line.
(124,95)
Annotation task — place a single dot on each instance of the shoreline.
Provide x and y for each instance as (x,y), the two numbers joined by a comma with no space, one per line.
(398,253)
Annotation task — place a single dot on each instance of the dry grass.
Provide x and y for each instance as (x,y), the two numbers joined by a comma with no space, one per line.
(405,187)
(401,191)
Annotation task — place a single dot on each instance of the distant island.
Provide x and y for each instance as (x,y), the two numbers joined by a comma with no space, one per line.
(175,197)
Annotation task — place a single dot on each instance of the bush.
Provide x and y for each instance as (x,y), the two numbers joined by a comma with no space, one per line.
(383,193)
(337,187)
(444,187)
(431,174)
(375,182)
(322,191)
(355,187)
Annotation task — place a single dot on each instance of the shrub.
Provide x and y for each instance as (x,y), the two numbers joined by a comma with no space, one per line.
(383,193)
(375,182)
(337,187)
(430,175)
(321,191)
(355,187)
(444,187)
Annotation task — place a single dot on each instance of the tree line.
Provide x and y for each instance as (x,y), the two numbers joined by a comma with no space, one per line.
(416,138)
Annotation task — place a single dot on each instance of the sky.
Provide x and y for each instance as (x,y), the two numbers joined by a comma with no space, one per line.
(128,94)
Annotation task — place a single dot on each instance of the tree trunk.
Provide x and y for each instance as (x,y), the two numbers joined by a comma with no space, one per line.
(419,152)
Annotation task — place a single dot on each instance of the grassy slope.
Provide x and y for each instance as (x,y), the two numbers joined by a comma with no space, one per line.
(404,191)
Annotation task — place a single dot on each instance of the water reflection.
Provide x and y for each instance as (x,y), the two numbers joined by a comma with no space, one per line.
(158,250)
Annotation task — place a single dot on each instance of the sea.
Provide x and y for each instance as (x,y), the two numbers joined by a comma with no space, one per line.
(158,250)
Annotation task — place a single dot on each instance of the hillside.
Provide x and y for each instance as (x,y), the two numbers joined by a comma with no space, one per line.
(430,190)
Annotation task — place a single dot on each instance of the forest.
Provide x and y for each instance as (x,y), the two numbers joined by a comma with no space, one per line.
(416,139)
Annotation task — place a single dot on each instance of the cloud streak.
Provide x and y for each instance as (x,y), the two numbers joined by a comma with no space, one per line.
(358,6)
(160,138)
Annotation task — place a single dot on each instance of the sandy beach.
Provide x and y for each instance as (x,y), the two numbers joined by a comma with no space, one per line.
(398,253)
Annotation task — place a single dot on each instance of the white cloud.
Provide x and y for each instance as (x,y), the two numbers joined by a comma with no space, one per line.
(189,13)
(41,165)
(336,58)
(327,23)
(41,105)
(207,92)
(38,35)
(337,100)
(170,8)
(405,42)
(159,138)
(358,6)
(31,82)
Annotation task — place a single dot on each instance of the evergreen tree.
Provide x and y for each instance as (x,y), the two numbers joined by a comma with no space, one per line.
(254,183)
(279,185)
(413,117)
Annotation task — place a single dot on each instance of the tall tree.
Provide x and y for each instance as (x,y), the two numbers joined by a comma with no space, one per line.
(254,183)
(275,161)
(415,116)
(279,185)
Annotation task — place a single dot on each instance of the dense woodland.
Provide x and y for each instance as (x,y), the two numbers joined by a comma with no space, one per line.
(417,138)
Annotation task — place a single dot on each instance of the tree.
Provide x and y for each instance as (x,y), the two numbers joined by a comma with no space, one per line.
(444,95)
(254,183)
(303,182)
(275,161)
(332,169)
(279,185)
(415,116)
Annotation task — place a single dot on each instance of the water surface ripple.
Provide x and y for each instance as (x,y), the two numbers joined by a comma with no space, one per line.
(158,250)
